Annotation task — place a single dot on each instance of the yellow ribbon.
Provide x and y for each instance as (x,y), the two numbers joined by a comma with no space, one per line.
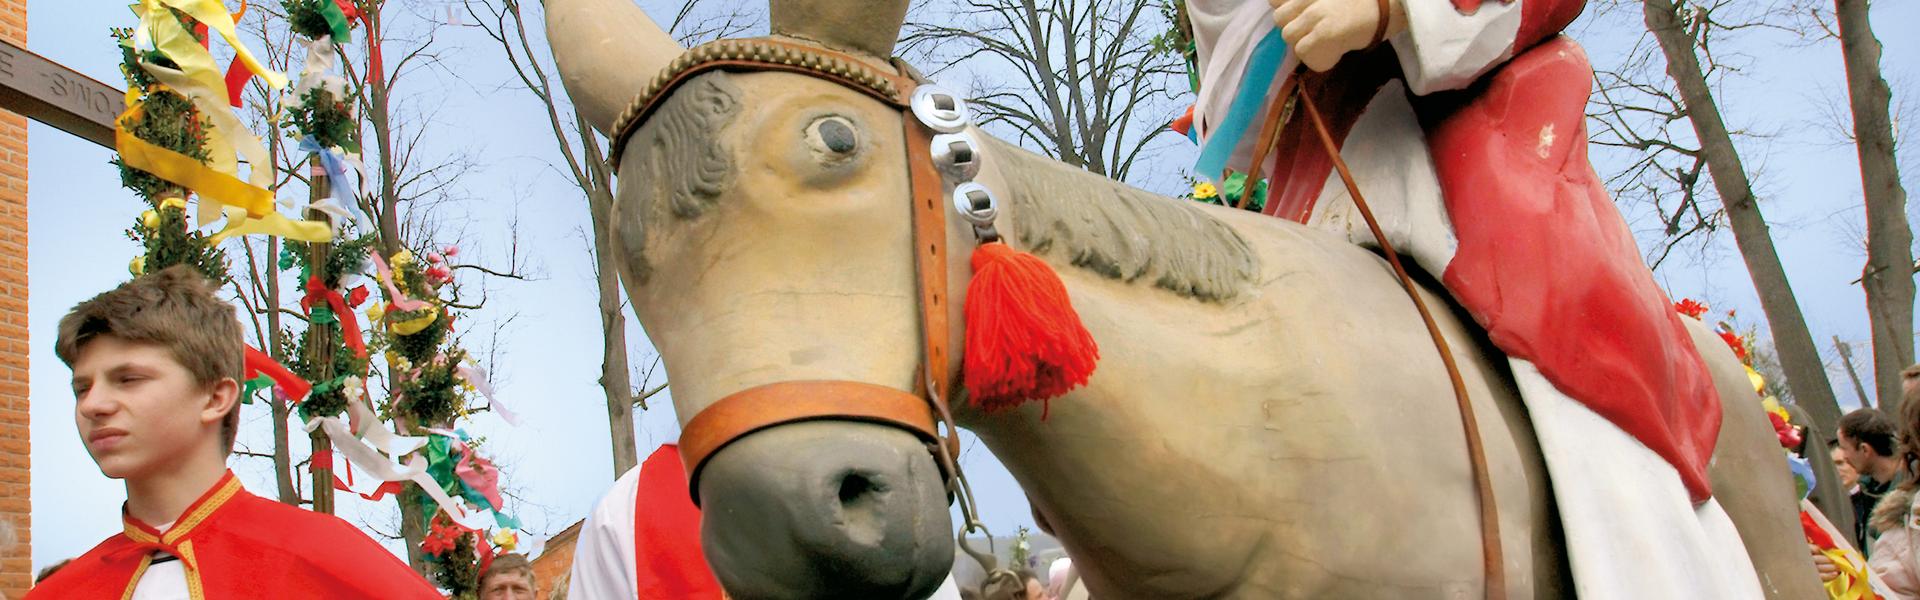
(1852,583)
(214,15)
(201,82)
(248,206)
(183,170)
(275,224)
(414,325)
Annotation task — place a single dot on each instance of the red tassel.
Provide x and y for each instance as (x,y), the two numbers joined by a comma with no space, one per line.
(1024,340)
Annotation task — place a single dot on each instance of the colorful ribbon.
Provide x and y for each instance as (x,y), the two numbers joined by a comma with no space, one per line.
(363,455)
(273,224)
(317,291)
(344,203)
(370,448)
(181,169)
(213,14)
(258,364)
(454,462)
(477,377)
(1853,583)
(217,182)
(398,300)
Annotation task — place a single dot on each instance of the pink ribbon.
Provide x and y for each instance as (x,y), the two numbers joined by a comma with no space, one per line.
(397,299)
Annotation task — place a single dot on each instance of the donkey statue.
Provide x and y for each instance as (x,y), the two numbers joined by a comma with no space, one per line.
(1269,418)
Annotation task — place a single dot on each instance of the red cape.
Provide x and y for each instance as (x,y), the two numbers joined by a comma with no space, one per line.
(236,545)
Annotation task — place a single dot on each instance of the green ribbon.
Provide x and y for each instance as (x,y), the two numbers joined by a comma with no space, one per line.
(337,20)
(254,385)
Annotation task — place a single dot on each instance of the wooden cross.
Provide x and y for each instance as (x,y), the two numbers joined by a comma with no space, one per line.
(51,93)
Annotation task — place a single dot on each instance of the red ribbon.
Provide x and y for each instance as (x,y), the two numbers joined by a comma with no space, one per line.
(321,460)
(484,550)
(145,548)
(349,326)
(257,363)
(389,487)
(374,65)
(237,77)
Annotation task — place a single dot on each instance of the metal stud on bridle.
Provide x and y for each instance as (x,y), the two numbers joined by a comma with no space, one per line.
(956,155)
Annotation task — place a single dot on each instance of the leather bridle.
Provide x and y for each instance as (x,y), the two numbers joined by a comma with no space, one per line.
(923,411)
(919,412)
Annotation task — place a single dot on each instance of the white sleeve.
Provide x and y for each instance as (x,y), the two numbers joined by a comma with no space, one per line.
(603,560)
(1445,49)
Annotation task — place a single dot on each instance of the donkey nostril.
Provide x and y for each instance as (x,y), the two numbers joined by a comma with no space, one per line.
(856,487)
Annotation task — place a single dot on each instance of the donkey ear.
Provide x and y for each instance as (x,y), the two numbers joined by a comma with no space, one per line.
(607,51)
(870,26)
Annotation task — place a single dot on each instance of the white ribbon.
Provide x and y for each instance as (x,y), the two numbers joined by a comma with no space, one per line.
(367,455)
(317,73)
(478,377)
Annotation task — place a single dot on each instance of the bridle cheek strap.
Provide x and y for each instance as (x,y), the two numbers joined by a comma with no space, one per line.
(774,404)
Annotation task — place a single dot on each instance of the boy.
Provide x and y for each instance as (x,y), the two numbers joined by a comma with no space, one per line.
(156,364)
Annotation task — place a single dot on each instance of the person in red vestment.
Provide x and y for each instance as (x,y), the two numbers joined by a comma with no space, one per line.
(156,363)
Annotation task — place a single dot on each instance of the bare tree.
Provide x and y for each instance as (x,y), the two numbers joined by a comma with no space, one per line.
(1093,81)
(1684,32)
(1888,275)
(584,157)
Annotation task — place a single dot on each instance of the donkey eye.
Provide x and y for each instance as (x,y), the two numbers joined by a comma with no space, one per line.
(833,135)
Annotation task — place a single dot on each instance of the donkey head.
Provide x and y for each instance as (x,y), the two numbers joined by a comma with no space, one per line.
(762,227)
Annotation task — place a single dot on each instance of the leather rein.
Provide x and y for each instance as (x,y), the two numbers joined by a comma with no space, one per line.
(919,412)
(1293,94)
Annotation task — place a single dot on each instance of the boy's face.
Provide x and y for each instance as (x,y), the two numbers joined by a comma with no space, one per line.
(139,410)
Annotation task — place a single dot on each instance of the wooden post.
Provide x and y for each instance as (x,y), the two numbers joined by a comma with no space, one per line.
(320,340)
(1846,358)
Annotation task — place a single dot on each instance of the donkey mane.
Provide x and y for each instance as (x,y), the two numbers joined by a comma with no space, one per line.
(678,154)
(1121,232)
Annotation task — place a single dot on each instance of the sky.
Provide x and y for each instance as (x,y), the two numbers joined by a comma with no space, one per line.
(547,349)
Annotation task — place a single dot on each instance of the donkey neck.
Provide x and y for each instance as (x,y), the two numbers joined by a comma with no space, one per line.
(1070,216)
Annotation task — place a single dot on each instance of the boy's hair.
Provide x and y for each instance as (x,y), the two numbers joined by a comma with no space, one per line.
(1870,426)
(509,564)
(174,308)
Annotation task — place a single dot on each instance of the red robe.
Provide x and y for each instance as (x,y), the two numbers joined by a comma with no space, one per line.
(666,533)
(235,545)
(1545,263)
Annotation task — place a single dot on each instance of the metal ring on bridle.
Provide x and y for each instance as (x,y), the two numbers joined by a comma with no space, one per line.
(956,155)
(940,109)
(976,204)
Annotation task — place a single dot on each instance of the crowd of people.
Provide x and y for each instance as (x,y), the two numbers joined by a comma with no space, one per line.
(1877,457)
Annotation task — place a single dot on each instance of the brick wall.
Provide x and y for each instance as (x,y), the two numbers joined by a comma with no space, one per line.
(16,563)
(551,568)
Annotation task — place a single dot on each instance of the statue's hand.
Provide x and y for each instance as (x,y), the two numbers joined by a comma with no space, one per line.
(1321,31)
